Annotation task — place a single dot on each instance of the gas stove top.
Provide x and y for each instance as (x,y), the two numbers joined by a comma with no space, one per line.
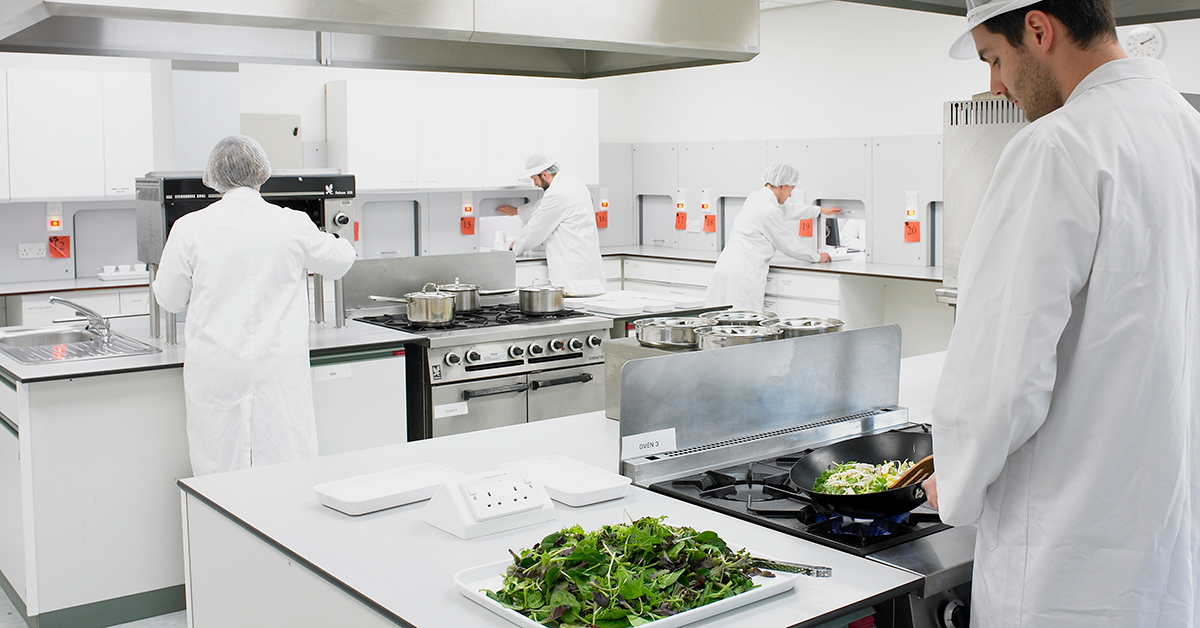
(762,492)
(485,316)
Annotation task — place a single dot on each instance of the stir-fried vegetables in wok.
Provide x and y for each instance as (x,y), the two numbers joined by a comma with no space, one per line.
(857,478)
(623,575)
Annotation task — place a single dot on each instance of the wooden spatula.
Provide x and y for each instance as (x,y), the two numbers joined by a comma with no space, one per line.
(917,473)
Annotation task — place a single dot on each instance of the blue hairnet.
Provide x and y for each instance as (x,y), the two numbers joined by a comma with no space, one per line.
(779,175)
(237,161)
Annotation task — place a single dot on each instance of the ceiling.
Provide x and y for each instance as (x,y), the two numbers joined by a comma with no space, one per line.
(1127,11)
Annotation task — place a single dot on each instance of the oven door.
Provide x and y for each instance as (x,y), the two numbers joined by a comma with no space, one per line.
(563,392)
(479,404)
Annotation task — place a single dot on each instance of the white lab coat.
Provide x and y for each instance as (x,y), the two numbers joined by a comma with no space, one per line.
(565,221)
(1066,419)
(237,266)
(740,276)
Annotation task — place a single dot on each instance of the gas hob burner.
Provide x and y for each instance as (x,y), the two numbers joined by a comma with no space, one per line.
(750,486)
(485,316)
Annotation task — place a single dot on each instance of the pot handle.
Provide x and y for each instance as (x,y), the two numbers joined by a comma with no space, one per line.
(426,287)
(486,293)
(537,281)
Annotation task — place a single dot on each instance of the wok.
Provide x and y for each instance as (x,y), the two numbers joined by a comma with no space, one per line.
(873,449)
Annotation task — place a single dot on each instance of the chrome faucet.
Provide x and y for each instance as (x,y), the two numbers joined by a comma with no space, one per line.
(96,323)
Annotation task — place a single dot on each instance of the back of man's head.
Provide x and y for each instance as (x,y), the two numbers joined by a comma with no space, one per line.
(1088,22)
(237,161)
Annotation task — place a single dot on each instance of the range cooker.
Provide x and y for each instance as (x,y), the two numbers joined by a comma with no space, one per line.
(497,366)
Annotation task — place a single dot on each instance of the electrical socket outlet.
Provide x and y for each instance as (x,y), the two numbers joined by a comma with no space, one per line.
(31,250)
(500,495)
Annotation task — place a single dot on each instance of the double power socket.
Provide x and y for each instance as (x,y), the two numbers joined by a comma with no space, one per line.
(31,250)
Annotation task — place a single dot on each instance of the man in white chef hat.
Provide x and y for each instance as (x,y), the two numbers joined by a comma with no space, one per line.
(1065,423)
(565,221)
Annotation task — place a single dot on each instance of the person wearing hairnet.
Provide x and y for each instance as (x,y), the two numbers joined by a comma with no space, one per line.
(238,268)
(740,276)
(1065,422)
(564,220)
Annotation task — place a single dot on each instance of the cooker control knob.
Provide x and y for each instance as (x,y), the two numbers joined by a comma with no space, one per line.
(594,341)
(452,359)
(575,344)
(557,345)
(955,614)
(473,356)
(341,219)
(516,352)
(536,349)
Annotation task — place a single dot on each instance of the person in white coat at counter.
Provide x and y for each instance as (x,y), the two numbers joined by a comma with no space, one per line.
(1065,421)
(238,268)
(564,220)
(760,229)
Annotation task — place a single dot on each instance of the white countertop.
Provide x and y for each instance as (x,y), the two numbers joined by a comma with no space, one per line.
(323,339)
(856,266)
(67,285)
(406,566)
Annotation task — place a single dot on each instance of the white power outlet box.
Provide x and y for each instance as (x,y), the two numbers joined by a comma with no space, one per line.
(31,250)
(487,503)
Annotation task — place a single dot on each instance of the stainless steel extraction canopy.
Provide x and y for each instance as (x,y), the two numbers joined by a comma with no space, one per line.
(1126,11)
(557,38)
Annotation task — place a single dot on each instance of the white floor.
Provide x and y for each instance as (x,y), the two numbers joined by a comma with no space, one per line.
(10,618)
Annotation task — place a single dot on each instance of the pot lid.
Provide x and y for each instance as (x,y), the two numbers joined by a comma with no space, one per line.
(458,287)
(541,284)
(747,332)
(740,317)
(428,295)
(809,323)
(671,321)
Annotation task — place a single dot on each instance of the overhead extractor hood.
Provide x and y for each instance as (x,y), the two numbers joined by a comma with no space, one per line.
(1127,11)
(556,38)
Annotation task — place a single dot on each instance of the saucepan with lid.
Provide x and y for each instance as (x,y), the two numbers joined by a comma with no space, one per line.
(466,295)
(670,332)
(807,326)
(717,336)
(540,298)
(740,317)
(427,308)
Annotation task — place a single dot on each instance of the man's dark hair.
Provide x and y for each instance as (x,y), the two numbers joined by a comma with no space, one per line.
(1087,21)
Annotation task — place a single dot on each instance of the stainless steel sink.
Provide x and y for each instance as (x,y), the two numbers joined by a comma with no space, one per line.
(43,345)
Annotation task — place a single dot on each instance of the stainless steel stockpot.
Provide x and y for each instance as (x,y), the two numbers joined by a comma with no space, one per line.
(741,317)
(668,331)
(718,336)
(807,326)
(540,297)
(430,307)
(466,295)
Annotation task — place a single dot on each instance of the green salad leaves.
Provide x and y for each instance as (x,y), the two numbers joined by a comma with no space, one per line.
(856,478)
(623,575)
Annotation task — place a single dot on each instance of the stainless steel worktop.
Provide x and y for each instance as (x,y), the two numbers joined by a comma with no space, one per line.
(323,339)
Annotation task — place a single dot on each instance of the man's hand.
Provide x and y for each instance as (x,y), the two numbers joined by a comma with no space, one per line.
(510,244)
(930,487)
(824,258)
(829,211)
(507,210)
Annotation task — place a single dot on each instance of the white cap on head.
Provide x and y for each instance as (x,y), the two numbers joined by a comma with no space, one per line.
(535,164)
(779,175)
(978,12)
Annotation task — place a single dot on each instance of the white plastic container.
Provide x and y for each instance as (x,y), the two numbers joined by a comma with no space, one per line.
(385,489)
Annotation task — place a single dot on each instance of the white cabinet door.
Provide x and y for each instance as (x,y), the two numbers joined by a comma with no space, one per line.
(135,301)
(3,135)
(55,133)
(515,128)
(372,132)
(804,285)
(528,271)
(698,274)
(648,270)
(612,268)
(359,405)
(787,307)
(128,132)
(12,536)
(448,141)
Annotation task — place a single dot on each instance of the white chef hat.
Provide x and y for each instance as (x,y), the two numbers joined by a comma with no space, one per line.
(779,175)
(978,12)
(535,164)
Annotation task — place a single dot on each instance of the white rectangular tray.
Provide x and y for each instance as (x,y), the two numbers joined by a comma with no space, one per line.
(620,308)
(470,581)
(385,489)
(572,482)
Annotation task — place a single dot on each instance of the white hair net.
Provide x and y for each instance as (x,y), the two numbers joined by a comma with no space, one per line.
(536,164)
(779,175)
(237,161)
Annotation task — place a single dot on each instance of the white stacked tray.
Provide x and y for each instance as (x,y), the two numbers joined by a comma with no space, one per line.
(385,489)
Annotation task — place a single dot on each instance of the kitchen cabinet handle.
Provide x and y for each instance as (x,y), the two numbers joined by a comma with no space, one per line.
(546,383)
(499,390)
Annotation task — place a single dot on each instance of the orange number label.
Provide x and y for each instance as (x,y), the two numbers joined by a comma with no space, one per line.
(60,246)
(912,231)
(806,228)
(681,220)
(710,223)
(468,225)
(602,220)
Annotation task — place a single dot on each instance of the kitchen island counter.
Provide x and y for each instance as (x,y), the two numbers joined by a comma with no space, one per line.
(246,529)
